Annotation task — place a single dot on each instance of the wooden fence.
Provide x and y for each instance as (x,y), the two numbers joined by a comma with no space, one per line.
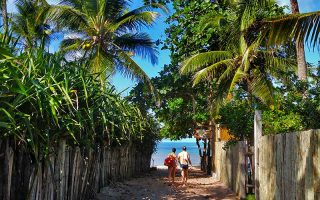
(230,167)
(289,166)
(69,173)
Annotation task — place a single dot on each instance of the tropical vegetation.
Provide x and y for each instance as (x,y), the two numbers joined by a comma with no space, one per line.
(227,57)
(46,96)
(231,57)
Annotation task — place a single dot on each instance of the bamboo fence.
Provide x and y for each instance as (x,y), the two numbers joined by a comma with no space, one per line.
(70,173)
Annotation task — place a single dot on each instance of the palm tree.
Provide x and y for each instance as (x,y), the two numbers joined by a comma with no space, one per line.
(4,15)
(31,23)
(244,64)
(301,60)
(108,35)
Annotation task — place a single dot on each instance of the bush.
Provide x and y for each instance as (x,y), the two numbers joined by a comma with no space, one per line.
(44,98)
(277,121)
(237,115)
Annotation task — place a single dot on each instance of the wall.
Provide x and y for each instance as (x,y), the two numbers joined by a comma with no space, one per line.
(230,166)
(222,133)
(69,173)
(289,166)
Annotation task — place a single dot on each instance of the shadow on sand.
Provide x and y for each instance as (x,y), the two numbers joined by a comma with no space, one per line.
(155,185)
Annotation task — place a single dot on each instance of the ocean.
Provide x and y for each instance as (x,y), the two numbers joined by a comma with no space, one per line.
(165,147)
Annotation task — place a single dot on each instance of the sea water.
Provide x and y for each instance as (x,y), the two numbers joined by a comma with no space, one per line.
(165,146)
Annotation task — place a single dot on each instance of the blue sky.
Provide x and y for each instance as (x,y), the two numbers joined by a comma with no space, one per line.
(158,32)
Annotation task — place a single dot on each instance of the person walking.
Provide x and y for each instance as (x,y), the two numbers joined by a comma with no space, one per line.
(172,165)
(184,161)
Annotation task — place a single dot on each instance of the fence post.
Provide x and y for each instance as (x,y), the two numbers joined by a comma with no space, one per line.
(257,136)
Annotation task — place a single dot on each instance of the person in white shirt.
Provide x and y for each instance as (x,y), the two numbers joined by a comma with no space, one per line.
(184,160)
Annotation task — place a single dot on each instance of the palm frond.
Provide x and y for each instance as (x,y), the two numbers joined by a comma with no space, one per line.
(136,21)
(278,67)
(93,7)
(67,16)
(129,68)
(140,44)
(144,8)
(238,76)
(77,4)
(302,27)
(249,53)
(262,87)
(201,60)
(227,74)
(114,9)
(208,72)
(70,44)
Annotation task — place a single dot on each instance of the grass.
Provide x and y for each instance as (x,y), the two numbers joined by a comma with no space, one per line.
(250,197)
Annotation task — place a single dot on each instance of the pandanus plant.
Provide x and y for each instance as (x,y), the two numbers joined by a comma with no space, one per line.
(44,99)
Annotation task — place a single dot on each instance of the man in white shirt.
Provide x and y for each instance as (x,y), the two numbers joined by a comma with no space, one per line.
(184,159)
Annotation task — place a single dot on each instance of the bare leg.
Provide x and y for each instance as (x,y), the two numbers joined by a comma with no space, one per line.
(173,173)
(186,176)
(169,173)
(182,176)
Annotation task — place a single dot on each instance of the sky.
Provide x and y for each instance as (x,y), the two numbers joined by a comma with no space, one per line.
(158,32)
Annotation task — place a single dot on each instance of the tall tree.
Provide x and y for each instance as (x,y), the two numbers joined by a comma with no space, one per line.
(242,63)
(109,35)
(182,106)
(32,23)
(302,65)
(4,15)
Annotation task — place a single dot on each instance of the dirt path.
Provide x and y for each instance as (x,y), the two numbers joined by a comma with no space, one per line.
(154,186)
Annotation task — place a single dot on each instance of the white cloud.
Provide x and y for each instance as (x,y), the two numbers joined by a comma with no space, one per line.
(284,2)
(72,35)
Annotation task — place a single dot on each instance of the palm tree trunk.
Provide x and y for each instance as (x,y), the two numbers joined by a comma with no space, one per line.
(4,15)
(301,60)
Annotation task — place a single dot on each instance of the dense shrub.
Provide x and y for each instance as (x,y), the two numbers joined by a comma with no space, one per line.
(44,98)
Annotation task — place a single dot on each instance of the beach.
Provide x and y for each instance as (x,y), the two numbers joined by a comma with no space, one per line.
(165,147)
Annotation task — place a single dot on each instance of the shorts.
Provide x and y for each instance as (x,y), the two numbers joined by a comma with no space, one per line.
(183,166)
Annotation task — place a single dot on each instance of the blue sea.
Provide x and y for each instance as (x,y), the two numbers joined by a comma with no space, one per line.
(165,147)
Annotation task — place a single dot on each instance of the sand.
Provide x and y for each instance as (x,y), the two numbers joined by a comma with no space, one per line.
(155,186)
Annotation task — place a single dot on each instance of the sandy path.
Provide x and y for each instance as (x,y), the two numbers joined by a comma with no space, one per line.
(154,186)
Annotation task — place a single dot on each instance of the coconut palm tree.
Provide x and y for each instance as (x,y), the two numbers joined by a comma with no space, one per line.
(301,60)
(245,63)
(31,23)
(108,35)
(4,14)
